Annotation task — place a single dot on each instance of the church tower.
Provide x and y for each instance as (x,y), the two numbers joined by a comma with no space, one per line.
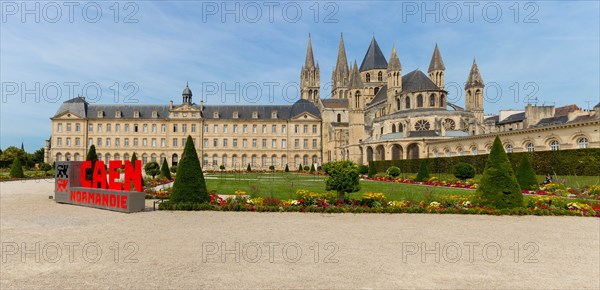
(356,115)
(187,95)
(474,93)
(436,68)
(310,80)
(394,82)
(340,77)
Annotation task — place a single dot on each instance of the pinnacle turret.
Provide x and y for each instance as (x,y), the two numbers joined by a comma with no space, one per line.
(394,64)
(474,79)
(436,61)
(355,81)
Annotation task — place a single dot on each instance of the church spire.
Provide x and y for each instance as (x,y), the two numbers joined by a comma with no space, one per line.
(310,60)
(355,81)
(341,65)
(474,79)
(436,61)
(394,64)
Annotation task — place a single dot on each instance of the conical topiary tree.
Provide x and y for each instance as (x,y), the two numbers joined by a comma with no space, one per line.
(189,185)
(287,169)
(164,170)
(133,160)
(249,168)
(423,173)
(498,186)
(93,157)
(526,175)
(299,167)
(16,169)
(312,169)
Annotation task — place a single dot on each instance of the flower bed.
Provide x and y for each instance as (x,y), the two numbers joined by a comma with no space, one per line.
(307,201)
(559,189)
(433,181)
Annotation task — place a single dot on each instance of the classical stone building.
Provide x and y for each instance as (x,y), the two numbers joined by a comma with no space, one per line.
(376,112)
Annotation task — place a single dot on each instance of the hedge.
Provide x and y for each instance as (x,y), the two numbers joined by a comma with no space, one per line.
(562,162)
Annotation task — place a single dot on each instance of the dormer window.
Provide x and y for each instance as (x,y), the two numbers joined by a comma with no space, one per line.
(100,114)
(118,114)
(216,115)
(235,115)
(274,115)
(154,114)
(254,115)
(136,114)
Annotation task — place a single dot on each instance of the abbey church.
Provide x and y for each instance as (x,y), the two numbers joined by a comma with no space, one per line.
(376,112)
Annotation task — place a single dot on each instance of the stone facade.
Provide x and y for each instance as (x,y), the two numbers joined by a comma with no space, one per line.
(375,113)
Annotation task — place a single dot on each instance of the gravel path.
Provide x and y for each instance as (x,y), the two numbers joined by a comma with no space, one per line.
(49,245)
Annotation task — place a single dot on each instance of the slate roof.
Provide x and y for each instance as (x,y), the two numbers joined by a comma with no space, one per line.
(436,62)
(492,119)
(81,108)
(429,133)
(381,96)
(416,81)
(556,120)
(335,103)
(518,117)
(374,58)
(565,110)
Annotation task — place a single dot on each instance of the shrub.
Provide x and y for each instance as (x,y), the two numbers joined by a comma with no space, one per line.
(45,167)
(312,169)
(363,169)
(189,185)
(152,168)
(272,167)
(173,169)
(306,168)
(164,170)
(287,169)
(393,171)
(222,167)
(423,172)
(498,186)
(91,156)
(526,175)
(16,169)
(464,171)
(343,178)
(372,170)
(300,167)
(248,168)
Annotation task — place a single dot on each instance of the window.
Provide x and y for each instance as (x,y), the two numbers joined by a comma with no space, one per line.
(126,142)
(90,128)
(432,101)
(583,143)
(136,114)
(235,128)
(509,148)
(215,142)
(118,128)
(530,147)
(144,142)
(59,141)
(153,142)
(99,127)
(224,162)
(274,115)
(264,129)
(163,128)
(422,125)
(296,143)
(254,115)
(78,141)
(554,145)
(314,143)
(205,142)
(305,160)
(305,143)
(273,129)
(407,103)
(245,144)
(339,118)
(263,160)
(154,114)
(225,128)
(314,129)
(235,115)
(59,127)
(474,150)
(99,142)
(305,129)
(118,114)
(215,129)
(216,115)
(107,142)
(135,128)
(254,129)
(273,160)
(224,143)
(253,160)
(460,152)
(153,128)
(368,78)
(254,143)
(420,101)
(205,160)
(357,99)
(145,128)
(193,128)
(184,128)
(296,129)
(100,114)
(274,143)
(235,143)
(205,128)
(174,128)
(283,129)
(77,127)
(264,143)
(283,143)
(68,127)
(215,160)
(245,129)
(126,127)
(68,143)
(174,142)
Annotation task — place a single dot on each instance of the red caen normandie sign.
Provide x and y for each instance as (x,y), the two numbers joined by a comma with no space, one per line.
(103,190)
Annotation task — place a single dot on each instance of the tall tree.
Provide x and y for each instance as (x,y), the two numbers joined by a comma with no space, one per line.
(93,157)
(189,185)
(164,170)
(16,170)
(343,178)
(526,175)
(499,187)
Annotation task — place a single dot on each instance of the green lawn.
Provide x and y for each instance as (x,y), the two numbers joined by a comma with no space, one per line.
(284,186)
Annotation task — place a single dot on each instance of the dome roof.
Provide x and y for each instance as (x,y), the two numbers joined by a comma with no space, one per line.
(304,106)
(187,91)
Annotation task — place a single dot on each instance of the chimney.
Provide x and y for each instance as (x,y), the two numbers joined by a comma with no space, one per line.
(171,105)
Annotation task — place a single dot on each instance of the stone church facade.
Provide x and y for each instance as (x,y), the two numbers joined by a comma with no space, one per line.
(376,112)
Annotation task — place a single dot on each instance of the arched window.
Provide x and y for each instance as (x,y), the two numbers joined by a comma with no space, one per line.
(583,143)
(442,104)
(357,99)
(530,147)
(398,104)
(420,101)
(474,150)
(205,160)
(339,118)
(509,148)
(368,78)
(224,160)
(215,160)
(432,100)
(554,145)
(400,128)
(380,76)
(376,91)
(393,128)
(144,159)
(407,105)
(461,152)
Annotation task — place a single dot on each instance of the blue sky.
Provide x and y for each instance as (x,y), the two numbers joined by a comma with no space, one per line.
(546,50)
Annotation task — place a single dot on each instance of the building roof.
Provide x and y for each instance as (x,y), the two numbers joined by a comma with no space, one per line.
(381,96)
(518,117)
(80,107)
(556,120)
(374,58)
(455,107)
(416,81)
(436,62)
(494,119)
(335,103)
(429,133)
(565,110)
